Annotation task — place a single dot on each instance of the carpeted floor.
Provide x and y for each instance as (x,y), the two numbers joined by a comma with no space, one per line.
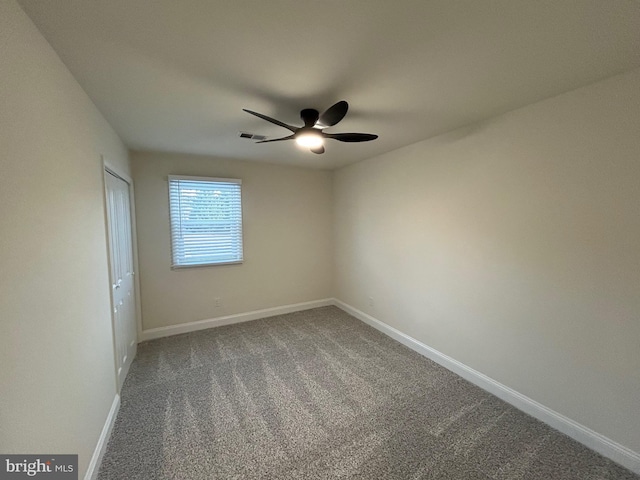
(319,395)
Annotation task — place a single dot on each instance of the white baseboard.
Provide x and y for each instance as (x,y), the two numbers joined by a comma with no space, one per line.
(230,319)
(98,453)
(591,439)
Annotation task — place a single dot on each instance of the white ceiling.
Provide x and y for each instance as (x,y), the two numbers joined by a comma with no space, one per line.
(174,75)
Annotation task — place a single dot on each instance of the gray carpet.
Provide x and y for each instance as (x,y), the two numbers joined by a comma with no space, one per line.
(317,395)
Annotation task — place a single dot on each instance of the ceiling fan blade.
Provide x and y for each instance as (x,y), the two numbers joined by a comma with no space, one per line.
(351,137)
(272,120)
(318,150)
(334,114)
(290,137)
(309,116)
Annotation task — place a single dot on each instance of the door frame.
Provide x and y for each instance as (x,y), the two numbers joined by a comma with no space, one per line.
(109,169)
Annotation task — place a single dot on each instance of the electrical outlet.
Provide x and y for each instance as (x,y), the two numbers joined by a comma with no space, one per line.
(217,302)
(370,301)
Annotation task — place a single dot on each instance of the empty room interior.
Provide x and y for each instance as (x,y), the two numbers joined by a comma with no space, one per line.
(339,239)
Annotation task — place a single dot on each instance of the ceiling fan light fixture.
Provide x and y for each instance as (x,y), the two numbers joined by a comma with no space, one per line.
(310,140)
(311,135)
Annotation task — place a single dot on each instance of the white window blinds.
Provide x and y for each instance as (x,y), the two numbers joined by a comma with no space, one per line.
(206,220)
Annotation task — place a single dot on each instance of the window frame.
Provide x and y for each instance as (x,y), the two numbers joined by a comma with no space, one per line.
(234,181)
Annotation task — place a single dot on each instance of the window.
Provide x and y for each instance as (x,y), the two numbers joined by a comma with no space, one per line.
(206,220)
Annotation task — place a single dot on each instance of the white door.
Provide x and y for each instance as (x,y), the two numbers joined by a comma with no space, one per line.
(122,284)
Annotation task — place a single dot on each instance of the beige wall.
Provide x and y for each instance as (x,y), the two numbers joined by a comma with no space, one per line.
(513,246)
(56,360)
(287,240)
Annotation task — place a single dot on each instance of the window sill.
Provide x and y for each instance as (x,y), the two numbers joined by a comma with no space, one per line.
(198,265)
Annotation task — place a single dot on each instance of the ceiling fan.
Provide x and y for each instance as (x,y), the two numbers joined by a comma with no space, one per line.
(311,135)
